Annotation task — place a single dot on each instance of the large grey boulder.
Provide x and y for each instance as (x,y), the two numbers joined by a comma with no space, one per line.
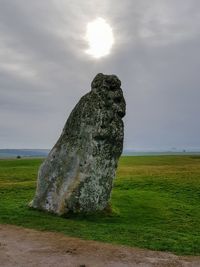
(78,173)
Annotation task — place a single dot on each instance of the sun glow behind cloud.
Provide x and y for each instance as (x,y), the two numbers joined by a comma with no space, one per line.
(100,38)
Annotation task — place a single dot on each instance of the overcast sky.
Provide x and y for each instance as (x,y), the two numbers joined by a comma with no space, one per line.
(44,69)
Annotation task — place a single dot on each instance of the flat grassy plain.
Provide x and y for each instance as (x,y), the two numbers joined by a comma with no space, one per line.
(155,202)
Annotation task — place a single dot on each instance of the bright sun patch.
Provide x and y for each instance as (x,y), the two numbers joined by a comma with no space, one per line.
(100,38)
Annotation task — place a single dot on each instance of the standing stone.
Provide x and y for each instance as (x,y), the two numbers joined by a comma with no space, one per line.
(78,173)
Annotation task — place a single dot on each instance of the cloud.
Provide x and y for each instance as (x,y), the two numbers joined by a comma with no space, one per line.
(44,69)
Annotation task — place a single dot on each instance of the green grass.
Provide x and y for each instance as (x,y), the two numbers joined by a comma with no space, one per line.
(155,201)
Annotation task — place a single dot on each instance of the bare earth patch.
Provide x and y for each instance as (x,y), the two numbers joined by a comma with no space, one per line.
(23,247)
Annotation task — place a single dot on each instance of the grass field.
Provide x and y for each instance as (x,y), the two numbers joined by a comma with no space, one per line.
(155,201)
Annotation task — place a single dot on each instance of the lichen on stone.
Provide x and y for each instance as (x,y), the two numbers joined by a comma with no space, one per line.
(77,175)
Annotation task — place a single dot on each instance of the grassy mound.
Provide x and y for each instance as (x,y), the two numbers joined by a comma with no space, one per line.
(155,203)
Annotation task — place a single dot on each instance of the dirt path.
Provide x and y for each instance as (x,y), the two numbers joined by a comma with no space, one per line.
(30,248)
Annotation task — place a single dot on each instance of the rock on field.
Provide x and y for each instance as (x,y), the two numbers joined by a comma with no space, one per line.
(78,173)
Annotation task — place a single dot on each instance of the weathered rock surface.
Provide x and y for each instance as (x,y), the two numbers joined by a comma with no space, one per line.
(78,173)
